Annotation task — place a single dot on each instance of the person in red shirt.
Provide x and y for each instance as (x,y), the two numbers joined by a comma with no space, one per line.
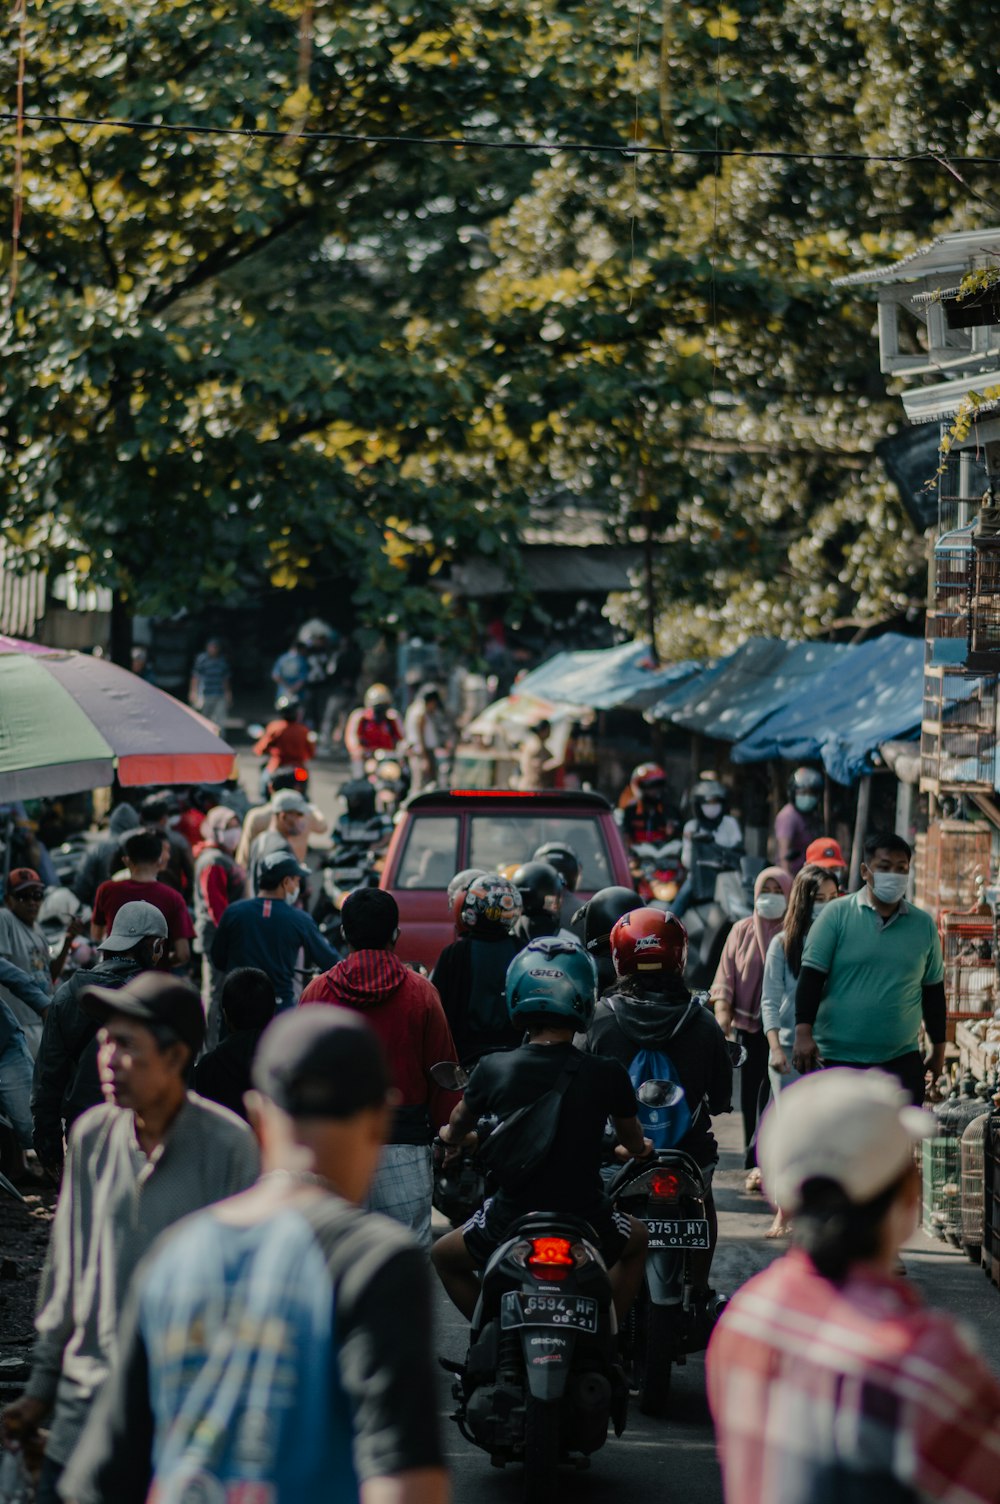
(144,855)
(372,727)
(406,1013)
(286,741)
(827,1379)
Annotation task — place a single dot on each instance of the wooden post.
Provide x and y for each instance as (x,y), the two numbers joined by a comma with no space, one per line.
(860,829)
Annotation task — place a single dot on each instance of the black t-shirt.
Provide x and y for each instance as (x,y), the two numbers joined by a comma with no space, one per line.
(470,977)
(381,1342)
(569,1178)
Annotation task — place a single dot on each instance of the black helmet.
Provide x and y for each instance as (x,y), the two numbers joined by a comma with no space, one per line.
(805,781)
(603,912)
(563,858)
(287,704)
(541,888)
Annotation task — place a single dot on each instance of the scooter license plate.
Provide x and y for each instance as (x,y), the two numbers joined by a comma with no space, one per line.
(685,1232)
(578,1312)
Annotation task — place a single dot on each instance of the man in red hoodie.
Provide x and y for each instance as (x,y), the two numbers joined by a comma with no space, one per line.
(406,1014)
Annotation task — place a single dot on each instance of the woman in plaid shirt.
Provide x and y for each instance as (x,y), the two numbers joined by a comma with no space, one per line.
(828,1381)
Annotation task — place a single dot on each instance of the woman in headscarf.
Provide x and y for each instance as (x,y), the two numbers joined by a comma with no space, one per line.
(737,986)
(218,882)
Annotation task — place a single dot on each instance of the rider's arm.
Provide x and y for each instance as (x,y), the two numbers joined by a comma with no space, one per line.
(459,1125)
(629,1134)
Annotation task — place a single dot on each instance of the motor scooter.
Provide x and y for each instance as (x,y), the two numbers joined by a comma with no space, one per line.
(541,1378)
(671,1316)
(722,893)
(657,871)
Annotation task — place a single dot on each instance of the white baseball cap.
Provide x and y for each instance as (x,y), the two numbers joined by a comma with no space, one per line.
(857,1128)
(289,799)
(134,921)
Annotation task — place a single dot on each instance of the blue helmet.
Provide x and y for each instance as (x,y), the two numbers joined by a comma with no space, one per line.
(552,975)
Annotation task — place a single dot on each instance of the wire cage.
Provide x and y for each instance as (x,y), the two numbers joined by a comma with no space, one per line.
(984,603)
(953,861)
(970,975)
(958,734)
(948,614)
(973,1184)
(941,1164)
(991,1198)
(962,481)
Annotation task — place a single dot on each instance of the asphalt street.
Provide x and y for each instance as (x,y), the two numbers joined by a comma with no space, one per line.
(676,1456)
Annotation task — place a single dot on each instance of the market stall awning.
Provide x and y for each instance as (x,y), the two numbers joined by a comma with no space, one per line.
(622,678)
(728,699)
(871,693)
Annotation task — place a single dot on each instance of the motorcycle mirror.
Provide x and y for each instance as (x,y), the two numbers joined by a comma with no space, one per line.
(255,729)
(737,1053)
(449,1076)
(660,1093)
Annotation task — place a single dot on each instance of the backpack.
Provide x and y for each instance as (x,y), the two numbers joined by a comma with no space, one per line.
(666,1126)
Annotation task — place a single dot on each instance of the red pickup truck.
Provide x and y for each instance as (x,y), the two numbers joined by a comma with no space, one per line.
(441,832)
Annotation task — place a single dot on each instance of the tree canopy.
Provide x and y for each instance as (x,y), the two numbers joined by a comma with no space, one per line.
(236,358)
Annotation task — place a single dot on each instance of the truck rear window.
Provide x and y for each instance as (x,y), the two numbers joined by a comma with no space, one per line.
(431,856)
(497,840)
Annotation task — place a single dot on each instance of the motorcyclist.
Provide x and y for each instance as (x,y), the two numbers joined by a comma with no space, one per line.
(372,727)
(564,859)
(650,1008)
(648,816)
(470,973)
(286,741)
(799,822)
(600,915)
(710,822)
(541,889)
(550,991)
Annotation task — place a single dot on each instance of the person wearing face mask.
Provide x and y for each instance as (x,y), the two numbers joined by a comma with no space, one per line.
(799,821)
(872,972)
(218,882)
(286,831)
(710,824)
(813,888)
(736,990)
(269,931)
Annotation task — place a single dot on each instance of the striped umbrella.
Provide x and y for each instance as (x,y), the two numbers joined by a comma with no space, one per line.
(69,722)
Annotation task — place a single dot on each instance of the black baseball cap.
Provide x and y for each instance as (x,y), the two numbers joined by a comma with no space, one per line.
(152,998)
(321,1061)
(276,866)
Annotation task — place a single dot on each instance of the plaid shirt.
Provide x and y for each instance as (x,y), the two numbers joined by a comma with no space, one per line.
(807,1378)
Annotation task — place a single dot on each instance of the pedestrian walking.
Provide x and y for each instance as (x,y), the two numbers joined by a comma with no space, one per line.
(872,973)
(16,1064)
(143,857)
(296,835)
(148,1156)
(248,1005)
(279,1348)
(799,822)
(106,857)
(405,1012)
(425,737)
(828,1381)
(218,882)
(23,943)
(67,1081)
(736,991)
(537,764)
(211,688)
(290,673)
(268,931)
(162,812)
(286,832)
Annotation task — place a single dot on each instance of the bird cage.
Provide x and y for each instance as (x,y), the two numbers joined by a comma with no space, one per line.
(984,594)
(970,977)
(991,1198)
(948,615)
(958,734)
(953,861)
(973,1185)
(941,1165)
(962,480)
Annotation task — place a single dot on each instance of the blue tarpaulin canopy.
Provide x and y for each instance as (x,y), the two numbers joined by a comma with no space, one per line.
(729,698)
(871,693)
(622,678)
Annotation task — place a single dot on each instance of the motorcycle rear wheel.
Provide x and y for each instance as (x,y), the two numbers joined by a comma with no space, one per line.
(541,1450)
(657,1359)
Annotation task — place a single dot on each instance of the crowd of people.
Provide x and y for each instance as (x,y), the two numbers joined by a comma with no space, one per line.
(236,1297)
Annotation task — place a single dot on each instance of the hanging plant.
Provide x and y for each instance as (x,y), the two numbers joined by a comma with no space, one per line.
(977,301)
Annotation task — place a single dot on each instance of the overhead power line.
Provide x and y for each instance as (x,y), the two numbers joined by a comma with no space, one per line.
(482,143)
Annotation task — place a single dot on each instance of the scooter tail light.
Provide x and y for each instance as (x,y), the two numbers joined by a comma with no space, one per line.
(664,1186)
(551,1253)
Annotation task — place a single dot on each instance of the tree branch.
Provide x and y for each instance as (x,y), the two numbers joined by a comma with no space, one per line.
(102,229)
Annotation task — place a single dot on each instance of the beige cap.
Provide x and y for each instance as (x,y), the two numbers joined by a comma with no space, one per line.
(856,1128)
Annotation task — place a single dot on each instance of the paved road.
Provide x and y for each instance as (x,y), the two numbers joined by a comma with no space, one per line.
(675,1458)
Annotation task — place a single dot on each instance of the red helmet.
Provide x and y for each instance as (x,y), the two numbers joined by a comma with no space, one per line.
(646,776)
(648,941)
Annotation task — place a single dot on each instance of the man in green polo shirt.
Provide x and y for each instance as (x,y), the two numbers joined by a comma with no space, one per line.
(871,972)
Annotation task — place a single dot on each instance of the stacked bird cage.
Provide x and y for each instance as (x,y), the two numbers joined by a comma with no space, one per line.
(970,976)
(958,736)
(947,626)
(962,481)
(953,863)
(974,1177)
(991,1198)
(941,1164)
(984,594)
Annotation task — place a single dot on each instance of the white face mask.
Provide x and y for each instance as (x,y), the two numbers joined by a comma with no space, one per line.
(890,887)
(293,896)
(771,905)
(805,803)
(230,838)
(711,811)
(818,908)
